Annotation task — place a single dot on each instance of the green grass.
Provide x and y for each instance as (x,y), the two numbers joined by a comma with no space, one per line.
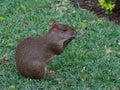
(86,64)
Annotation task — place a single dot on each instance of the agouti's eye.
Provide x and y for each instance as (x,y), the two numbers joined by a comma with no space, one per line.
(64,30)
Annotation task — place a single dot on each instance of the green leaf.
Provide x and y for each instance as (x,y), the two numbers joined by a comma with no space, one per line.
(83,24)
(12,87)
(2,18)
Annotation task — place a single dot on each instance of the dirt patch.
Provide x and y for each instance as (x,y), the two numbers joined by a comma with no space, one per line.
(94,6)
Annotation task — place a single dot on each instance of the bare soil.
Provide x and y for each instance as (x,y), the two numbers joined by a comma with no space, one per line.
(94,6)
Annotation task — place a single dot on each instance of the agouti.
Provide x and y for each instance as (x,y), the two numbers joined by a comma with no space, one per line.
(33,53)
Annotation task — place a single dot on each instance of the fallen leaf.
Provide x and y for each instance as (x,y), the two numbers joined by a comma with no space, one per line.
(82,31)
(84,78)
(8,24)
(26,22)
(41,10)
(83,24)
(49,10)
(12,87)
(57,5)
(52,73)
(4,62)
(2,18)
(109,51)
(100,21)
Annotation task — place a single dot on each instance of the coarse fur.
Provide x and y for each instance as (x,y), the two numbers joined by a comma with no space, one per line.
(33,53)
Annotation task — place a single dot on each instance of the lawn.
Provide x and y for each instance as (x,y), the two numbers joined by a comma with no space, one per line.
(90,62)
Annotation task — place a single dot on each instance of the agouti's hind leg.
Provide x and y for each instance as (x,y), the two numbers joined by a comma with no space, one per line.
(42,72)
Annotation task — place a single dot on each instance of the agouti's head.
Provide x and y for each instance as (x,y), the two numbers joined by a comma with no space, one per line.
(63,32)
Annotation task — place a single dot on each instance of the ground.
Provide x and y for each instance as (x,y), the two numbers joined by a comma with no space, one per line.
(90,62)
(93,5)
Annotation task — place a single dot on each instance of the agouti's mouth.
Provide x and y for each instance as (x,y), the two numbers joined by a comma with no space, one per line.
(67,41)
(71,38)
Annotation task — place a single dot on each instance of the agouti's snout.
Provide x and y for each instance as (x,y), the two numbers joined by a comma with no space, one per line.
(74,34)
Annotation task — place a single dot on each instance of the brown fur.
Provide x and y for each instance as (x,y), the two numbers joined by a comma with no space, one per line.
(33,53)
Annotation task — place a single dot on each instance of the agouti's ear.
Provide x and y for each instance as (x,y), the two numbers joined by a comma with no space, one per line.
(54,25)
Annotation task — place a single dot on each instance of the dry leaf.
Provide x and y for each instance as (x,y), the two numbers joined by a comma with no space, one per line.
(49,10)
(4,62)
(52,73)
(8,24)
(57,5)
(26,22)
(109,51)
(41,10)
(82,31)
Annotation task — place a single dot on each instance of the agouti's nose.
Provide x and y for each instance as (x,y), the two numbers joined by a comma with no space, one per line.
(73,34)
